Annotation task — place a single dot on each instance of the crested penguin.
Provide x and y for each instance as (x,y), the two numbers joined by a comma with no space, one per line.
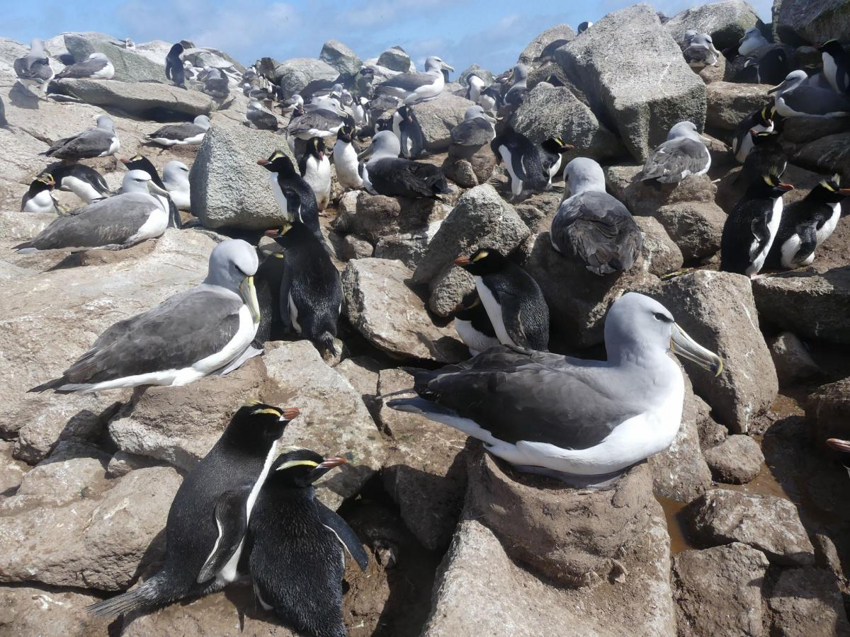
(836,65)
(806,224)
(757,122)
(297,546)
(751,227)
(348,167)
(210,513)
(512,298)
(174,66)
(84,181)
(39,197)
(310,290)
(473,325)
(283,179)
(766,157)
(140,162)
(409,133)
(522,160)
(552,153)
(315,168)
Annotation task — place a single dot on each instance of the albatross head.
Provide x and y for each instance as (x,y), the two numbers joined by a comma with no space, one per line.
(637,322)
(233,264)
(140,181)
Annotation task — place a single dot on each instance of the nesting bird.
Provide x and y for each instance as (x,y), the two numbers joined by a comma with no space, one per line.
(794,98)
(475,130)
(417,87)
(97,67)
(84,181)
(175,178)
(698,49)
(387,174)
(206,330)
(100,141)
(683,154)
(186,134)
(519,88)
(34,68)
(751,41)
(591,225)
(259,117)
(140,162)
(473,325)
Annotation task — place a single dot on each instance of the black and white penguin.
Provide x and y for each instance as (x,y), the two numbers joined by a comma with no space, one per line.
(767,157)
(552,153)
(310,290)
(140,162)
(174,66)
(522,160)
(836,65)
(592,226)
(210,514)
(806,224)
(39,197)
(683,154)
(409,133)
(284,178)
(473,325)
(348,167)
(84,181)
(751,227)
(315,168)
(512,298)
(757,122)
(297,547)
(584,26)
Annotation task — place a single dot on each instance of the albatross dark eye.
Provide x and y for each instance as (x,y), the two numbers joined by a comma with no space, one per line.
(661,317)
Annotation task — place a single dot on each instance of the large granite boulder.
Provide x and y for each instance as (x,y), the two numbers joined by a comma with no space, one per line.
(829,154)
(396,59)
(828,411)
(811,21)
(340,57)
(373,217)
(228,188)
(130,65)
(438,117)
(549,36)
(635,77)
(807,601)
(726,22)
(36,612)
(304,75)
(145,100)
(730,102)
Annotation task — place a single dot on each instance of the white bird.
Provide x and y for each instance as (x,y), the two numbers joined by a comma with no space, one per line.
(175,178)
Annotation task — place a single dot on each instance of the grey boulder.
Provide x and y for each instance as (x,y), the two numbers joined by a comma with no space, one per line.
(726,22)
(438,117)
(340,57)
(130,66)
(395,59)
(140,99)
(304,75)
(549,36)
(811,21)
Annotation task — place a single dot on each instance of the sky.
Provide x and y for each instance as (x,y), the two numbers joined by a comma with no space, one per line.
(490,33)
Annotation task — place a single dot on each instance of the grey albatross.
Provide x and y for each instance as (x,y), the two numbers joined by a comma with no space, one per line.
(794,98)
(683,154)
(581,421)
(205,330)
(100,141)
(388,174)
(417,87)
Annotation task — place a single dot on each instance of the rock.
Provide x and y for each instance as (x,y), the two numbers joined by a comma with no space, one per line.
(11,470)
(130,66)
(726,22)
(395,59)
(362,372)
(73,469)
(828,411)
(765,522)
(438,116)
(718,591)
(536,46)
(484,74)
(810,304)
(340,57)
(144,100)
(93,542)
(660,254)
(578,300)
(426,464)
(304,75)
(409,248)
(35,612)
(801,130)
(713,73)
(791,358)
(680,472)
(215,58)
(480,219)
(700,302)
(633,73)
(736,460)
(381,306)
(467,169)
(807,601)
(830,154)
(228,188)
(729,103)
(372,217)
(555,112)
(354,248)
(641,198)
(121,463)
(813,22)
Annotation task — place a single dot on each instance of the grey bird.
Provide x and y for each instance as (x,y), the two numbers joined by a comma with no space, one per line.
(206,330)
(417,87)
(116,222)
(34,68)
(191,134)
(591,225)
(96,66)
(259,117)
(175,178)
(100,141)
(683,154)
(752,40)
(700,51)
(476,129)
(519,88)
(795,98)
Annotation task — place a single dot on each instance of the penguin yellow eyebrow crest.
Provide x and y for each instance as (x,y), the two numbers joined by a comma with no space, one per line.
(268,410)
(297,463)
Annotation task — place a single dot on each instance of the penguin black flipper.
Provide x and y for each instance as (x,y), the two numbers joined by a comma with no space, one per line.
(761,231)
(174,220)
(231,518)
(268,283)
(808,233)
(346,536)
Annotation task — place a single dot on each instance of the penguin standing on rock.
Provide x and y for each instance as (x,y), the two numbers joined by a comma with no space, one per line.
(751,227)
(836,66)
(310,290)
(297,546)
(473,325)
(348,167)
(513,300)
(410,133)
(174,66)
(757,122)
(806,224)
(210,514)
(39,197)
(552,153)
(284,178)
(315,168)
(522,160)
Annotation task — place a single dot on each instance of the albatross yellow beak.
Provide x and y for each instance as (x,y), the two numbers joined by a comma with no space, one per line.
(683,345)
(249,294)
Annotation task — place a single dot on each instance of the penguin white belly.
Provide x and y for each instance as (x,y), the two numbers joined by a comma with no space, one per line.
(757,258)
(789,252)
(155,225)
(83,189)
(476,341)
(318,176)
(830,71)
(516,182)
(293,314)
(42,202)
(494,311)
(746,147)
(829,227)
(345,160)
(278,195)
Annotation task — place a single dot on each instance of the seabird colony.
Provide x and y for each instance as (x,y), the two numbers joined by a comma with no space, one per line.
(581,422)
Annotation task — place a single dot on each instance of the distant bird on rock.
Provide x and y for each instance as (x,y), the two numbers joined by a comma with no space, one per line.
(519,88)
(174,70)
(683,154)
(699,51)
(259,117)
(348,167)
(216,83)
(187,134)
(417,87)
(100,141)
(97,67)
(34,68)
(522,161)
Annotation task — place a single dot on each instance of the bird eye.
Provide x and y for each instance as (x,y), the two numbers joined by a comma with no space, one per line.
(661,317)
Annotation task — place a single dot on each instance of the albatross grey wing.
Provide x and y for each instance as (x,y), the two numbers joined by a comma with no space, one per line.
(675,159)
(408,81)
(90,143)
(177,131)
(810,100)
(320,119)
(86,68)
(473,132)
(531,396)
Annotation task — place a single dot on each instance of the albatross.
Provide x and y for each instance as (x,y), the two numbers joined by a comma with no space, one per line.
(100,141)
(582,421)
(205,330)
(683,154)
(794,98)
(417,87)
(97,66)
(388,174)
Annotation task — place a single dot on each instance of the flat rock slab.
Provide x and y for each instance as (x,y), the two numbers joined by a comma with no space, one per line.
(36,612)
(729,103)
(130,65)
(138,98)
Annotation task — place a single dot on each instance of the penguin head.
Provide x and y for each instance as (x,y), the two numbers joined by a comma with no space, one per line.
(832,47)
(468,307)
(770,185)
(278,163)
(139,162)
(556,146)
(42,182)
(345,134)
(483,261)
(829,190)
(300,468)
(316,148)
(761,137)
(256,426)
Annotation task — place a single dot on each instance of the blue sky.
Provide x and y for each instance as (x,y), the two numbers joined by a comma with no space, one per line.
(488,32)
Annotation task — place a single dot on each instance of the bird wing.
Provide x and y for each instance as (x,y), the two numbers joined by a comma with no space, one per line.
(231,519)
(760,227)
(816,101)
(348,538)
(319,119)
(83,69)
(177,131)
(89,143)
(408,81)
(474,132)
(179,332)
(599,230)
(400,177)
(534,396)
(675,159)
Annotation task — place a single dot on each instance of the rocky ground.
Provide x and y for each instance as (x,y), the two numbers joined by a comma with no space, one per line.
(742,527)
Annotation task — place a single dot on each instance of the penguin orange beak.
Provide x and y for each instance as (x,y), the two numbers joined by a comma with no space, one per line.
(839,445)
(785,187)
(333,461)
(272,233)
(125,161)
(845,192)
(462,261)
(567,147)
(290,413)
(260,162)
